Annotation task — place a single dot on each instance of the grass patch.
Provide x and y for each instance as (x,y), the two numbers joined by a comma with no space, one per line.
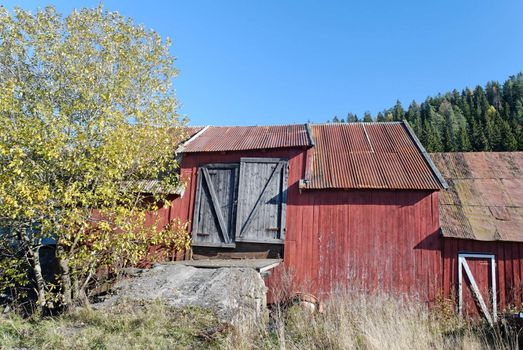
(124,326)
(349,321)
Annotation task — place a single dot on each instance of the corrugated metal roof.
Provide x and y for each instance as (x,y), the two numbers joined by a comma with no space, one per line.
(192,130)
(151,186)
(369,155)
(485,196)
(185,132)
(238,138)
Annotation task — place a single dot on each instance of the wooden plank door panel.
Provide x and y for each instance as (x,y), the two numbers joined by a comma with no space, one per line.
(477,291)
(262,200)
(215,205)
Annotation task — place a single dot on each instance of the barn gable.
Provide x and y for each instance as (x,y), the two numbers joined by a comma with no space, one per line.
(243,197)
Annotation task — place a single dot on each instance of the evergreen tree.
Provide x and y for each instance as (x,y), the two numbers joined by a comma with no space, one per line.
(434,139)
(367,117)
(398,113)
(508,140)
(413,115)
(464,144)
(479,140)
(352,118)
(486,118)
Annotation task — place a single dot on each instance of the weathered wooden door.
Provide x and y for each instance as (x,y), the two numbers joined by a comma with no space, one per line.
(477,293)
(215,205)
(262,200)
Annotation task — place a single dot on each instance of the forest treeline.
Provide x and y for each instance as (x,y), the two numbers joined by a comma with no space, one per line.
(486,118)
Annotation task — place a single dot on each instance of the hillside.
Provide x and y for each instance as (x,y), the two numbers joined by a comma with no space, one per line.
(488,118)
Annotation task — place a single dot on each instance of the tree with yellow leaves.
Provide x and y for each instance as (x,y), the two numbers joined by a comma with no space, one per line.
(87,112)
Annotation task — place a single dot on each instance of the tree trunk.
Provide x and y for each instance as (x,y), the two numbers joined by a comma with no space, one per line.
(34,260)
(82,292)
(65,278)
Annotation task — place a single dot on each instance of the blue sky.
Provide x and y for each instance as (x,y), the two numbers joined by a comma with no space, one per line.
(275,62)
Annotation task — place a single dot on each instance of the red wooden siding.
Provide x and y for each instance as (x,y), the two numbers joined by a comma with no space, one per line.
(368,238)
(509,267)
(158,220)
(183,207)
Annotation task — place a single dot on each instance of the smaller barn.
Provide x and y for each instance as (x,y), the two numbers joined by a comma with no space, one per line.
(482,230)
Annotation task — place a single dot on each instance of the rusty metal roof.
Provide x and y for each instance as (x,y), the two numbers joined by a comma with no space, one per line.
(192,130)
(184,133)
(344,155)
(485,197)
(151,186)
(238,138)
(370,155)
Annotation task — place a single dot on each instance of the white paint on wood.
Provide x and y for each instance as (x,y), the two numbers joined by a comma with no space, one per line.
(463,266)
(191,139)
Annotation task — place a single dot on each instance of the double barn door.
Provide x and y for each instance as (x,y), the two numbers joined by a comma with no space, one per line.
(240,202)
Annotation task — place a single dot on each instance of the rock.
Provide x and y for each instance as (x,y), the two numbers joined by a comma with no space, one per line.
(236,295)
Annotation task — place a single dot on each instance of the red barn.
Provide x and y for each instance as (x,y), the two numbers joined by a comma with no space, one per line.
(342,204)
(358,204)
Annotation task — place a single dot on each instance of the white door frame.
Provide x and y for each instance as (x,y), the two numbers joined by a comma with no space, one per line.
(463,266)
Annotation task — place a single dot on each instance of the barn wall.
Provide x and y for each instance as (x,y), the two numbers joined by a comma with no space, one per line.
(159,220)
(509,263)
(376,239)
(370,239)
(365,239)
(183,207)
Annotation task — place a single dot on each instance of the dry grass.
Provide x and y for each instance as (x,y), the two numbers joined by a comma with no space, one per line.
(126,326)
(358,321)
(350,320)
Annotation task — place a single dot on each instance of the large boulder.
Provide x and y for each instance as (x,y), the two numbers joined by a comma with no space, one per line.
(236,295)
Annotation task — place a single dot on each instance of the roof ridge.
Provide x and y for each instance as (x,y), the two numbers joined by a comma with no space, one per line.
(255,126)
(477,152)
(294,124)
(359,122)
